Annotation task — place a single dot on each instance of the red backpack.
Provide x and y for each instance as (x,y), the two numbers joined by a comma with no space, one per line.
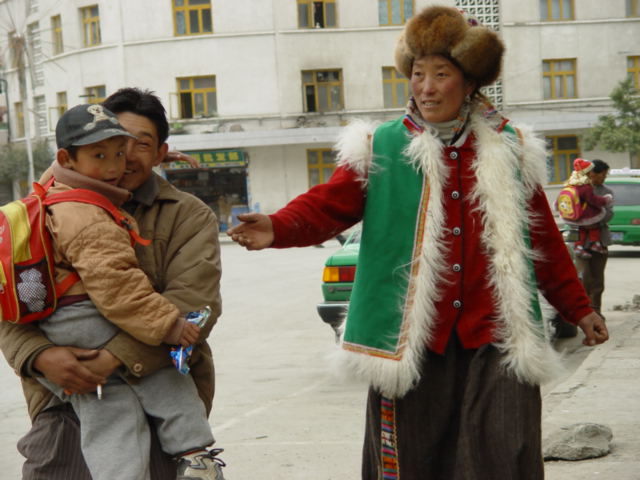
(28,291)
(568,204)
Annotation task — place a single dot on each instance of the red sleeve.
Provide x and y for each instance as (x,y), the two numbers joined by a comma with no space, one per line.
(321,213)
(588,195)
(557,276)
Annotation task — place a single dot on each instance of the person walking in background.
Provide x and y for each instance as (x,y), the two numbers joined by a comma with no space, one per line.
(444,321)
(580,207)
(591,269)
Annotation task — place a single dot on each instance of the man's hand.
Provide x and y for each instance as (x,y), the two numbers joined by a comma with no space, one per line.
(594,328)
(175,156)
(255,233)
(62,366)
(104,364)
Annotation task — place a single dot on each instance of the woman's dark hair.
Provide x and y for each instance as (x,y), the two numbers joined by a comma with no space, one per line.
(599,166)
(140,102)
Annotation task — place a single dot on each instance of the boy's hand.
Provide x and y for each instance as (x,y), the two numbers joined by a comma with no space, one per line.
(190,334)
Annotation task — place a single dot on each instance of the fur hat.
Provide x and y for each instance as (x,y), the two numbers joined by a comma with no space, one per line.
(582,166)
(440,30)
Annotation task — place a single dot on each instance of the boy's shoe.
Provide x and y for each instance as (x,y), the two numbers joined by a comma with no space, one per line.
(580,252)
(202,465)
(597,247)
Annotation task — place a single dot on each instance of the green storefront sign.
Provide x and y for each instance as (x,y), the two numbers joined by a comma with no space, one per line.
(211,159)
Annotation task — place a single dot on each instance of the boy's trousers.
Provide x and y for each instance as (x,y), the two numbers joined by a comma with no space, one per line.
(114,431)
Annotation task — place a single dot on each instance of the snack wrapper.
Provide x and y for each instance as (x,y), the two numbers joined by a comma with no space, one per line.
(180,355)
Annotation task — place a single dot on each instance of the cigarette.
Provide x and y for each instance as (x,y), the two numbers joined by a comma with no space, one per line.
(99,392)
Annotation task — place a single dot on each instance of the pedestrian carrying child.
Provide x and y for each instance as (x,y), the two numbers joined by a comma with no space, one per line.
(112,294)
(592,209)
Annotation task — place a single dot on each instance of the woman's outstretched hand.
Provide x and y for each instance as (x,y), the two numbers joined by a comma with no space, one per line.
(254,233)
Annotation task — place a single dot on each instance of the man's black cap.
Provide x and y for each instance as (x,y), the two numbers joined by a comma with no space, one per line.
(87,124)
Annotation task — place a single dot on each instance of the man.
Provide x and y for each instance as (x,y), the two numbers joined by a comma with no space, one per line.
(183,263)
(591,270)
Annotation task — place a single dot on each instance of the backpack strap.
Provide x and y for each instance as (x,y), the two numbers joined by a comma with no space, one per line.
(93,198)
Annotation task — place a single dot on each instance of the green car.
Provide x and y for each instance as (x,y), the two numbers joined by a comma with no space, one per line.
(625,224)
(337,282)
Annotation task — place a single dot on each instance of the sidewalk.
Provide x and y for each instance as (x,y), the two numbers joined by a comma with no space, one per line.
(605,389)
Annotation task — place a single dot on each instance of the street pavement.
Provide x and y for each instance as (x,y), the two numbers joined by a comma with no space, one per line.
(280,413)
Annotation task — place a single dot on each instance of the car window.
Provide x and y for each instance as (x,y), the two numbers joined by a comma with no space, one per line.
(355,238)
(625,194)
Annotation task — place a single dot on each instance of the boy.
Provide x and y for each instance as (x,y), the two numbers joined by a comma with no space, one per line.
(91,146)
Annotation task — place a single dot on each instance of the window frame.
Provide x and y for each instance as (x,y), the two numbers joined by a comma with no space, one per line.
(95,94)
(560,4)
(321,165)
(57,44)
(311,13)
(18,109)
(316,85)
(564,74)
(401,8)
(91,32)
(186,9)
(553,161)
(193,91)
(396,78)
(632,8)
(634,70)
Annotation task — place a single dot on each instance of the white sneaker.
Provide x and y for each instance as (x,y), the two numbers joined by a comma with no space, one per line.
(202,465)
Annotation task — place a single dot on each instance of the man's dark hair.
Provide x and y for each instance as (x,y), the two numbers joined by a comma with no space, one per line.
(599,166)
(140,102)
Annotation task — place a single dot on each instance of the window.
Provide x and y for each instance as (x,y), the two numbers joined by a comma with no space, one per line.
(551,10)
(62,106)
(56,111)
(559,78)
(322,90)
(321,162)
(633,8)
(40,110)
(197,96)
(91,25)
(487,12)
(564,150)
(395,88)
(34,5)
(316,14)
(56,35)
(394,12)
(633,70)
(95,94)
(19,119)
(35,53)
(192,17)
(12,41)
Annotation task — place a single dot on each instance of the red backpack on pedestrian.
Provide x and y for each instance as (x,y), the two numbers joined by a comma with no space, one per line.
(568,204)
(28,291)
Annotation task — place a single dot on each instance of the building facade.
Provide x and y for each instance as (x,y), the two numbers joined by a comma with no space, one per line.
(258,90)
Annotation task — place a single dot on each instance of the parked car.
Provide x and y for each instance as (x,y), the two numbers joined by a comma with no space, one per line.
(337,283)
(625,224)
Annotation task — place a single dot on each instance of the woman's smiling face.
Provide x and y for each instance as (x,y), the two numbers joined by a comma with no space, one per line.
(439,88)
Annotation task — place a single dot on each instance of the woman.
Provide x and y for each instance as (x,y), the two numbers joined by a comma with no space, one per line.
(444,321)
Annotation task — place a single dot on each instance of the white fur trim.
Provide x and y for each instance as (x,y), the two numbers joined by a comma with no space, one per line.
(354,147)
(501,197)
